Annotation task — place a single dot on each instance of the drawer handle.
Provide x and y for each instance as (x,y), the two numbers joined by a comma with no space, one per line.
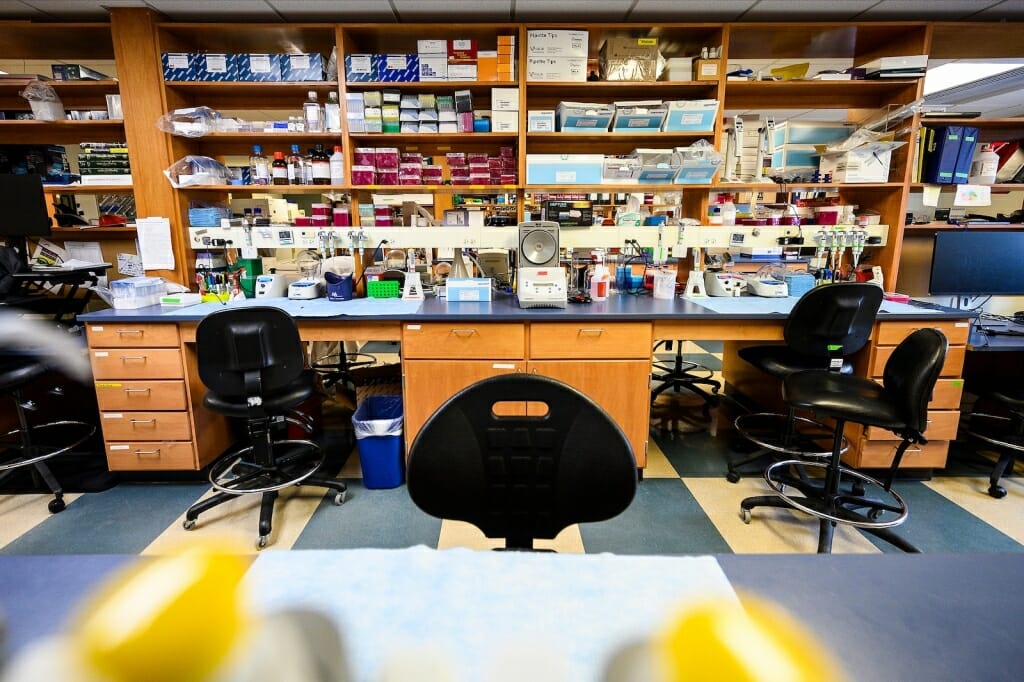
(136,390)
(126,358)
(148,452)
(142,421)
(593,330)
(463,332)
(130,331)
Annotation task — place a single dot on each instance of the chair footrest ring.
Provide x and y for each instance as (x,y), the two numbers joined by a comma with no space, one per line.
(1010,441)
(824,508)
(81,432)
(768,430)
(237,476)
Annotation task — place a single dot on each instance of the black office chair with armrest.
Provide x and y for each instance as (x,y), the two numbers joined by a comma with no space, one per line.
(899,404)
(521,477)
(826,326)
(679,374)
(27,446)
(1005,431)
(251,361)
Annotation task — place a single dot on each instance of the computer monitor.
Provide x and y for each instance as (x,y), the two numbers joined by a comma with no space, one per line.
(977,263)
(22,211)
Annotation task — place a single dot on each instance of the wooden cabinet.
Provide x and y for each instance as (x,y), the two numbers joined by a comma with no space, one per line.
(873,447)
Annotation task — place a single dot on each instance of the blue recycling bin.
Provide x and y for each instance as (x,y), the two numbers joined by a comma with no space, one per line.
(378,427)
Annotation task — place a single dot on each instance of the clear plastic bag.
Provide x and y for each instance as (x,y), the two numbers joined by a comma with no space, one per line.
(191,122)
(197,170)
(46,105)
(378,416)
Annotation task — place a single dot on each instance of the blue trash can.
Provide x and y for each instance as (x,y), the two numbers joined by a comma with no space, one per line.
(378,426)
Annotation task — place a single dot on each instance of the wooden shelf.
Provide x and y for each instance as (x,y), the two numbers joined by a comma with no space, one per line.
(929,228)
(428,86)
(279,189)
(282,135)
(441,189)
(56,41)
(585,189)
(1010,187)
(440,138)
(87,189)
(990,129)
(248,95)
(100,232)
(589,91)
(612,137)
(61,132)
(867,94)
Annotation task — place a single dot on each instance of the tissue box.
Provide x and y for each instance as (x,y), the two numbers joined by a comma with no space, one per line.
(809,132)
(691,116)
(302,67)
(793,156)
(583,117)
(564,169)
(259,67)
(638,117)
(472,289)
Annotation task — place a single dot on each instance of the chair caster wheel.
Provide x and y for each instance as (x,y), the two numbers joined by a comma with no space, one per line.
(57,505)
(996,491)
(732,477)
(261,542)
(745,515)
(339,498)
(188,524)
(875,514)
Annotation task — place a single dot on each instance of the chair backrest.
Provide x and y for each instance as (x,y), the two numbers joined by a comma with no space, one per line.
(248,351)
(521,477)
(833,320)
(910,375)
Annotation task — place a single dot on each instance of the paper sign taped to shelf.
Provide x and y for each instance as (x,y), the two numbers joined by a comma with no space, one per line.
(155,243)
(130,264)
(973,195)
(930,196)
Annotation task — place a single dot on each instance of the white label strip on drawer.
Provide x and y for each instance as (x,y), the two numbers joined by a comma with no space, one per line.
(503,365)
(101,354)
(97,329)
(118,447)
(413,327)
(113,415)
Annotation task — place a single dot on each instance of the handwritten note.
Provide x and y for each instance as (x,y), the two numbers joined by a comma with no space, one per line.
(155,243)
(973,195)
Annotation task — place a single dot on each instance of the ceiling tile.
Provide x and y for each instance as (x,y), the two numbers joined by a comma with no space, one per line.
(355,11)
(441,10)
(87,10)
(689,10)
(802,10)
(925,10)
(19,10)
(581,11)
(214,10)
(1008,10)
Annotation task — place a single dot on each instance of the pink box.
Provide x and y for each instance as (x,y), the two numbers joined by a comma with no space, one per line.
(460,172)
(320,209)
(460,181)
(476,157)
(303,221)
(507,152)
(411,168)
(410,180)
(479,179)
(455,159)
(364,175)
(412,157)
(494,163)
(382,221)
(387,158)
(321,220)
(381,211)
(342,218)
(363,156)
(508,178)
(387,177)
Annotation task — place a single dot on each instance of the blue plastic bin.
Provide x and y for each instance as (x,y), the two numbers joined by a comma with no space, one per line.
(378,426)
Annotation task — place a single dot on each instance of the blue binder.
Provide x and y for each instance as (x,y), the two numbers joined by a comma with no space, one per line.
(968,145)
(940,166)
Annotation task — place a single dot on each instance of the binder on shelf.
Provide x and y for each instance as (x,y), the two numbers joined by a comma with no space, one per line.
(968,145)
(943,148)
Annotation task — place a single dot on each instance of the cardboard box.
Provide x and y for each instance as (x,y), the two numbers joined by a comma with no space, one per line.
(505,99)
(569,213)
(559,69)
(639,117)
(540,121)
(867,163)
(487,66)
(361,68)
(629,59)
(564,169)
(693,167)
(76,72)
(557,43)
(264,68)
(619,169)
(794,157)
(302,67)
(809,132)
(505,121)
(216,67)
(462,72)
(706,69)
(432,47)
(691,116)
(462,50)
(398,68)
(472,289)
(584,117)
(179,66)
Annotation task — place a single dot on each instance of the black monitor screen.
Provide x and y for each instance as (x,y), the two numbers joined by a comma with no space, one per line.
(23,207)
(978,263)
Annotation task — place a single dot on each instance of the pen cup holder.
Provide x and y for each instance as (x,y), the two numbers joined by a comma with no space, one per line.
(339,287)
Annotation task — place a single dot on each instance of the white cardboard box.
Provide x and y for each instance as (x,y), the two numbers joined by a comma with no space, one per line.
(505,121)
(434,67)
(505,99)
(540,121)
(568,69)
(432,47)
(557,43)
(462,72)
(863,164)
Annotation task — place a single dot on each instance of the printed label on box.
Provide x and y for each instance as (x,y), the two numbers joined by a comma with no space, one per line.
(565,176)
(217,63)
(360,64)
(299,61)
(709,69)
(397,62)
(260,63)
(177,61)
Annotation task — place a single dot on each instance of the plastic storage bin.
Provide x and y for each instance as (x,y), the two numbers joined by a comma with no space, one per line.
(136,292)
(378,427)
(382,289)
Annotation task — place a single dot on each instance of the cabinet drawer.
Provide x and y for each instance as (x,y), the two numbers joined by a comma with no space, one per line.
(141,456)
(946,395)
(129,335)
(141,363)
(878,455)
(952,367)
(891,333)
(594,340)
(942,425)
(486,340)
(140,395)
(146,426)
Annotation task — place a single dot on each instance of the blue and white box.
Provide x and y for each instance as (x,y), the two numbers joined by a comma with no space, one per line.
(302,67)
(361,68)
(639,117)
(398,68)
(795,156)
(216,67)
(691,116)
(540,121)
(259,68)
(584,117)
(179,66)
(564,169)
(657,175)
(809,132)
(471,289)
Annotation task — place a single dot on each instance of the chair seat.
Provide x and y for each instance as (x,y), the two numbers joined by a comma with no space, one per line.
(278,403)
(781,361)
(851,398)
(16,371)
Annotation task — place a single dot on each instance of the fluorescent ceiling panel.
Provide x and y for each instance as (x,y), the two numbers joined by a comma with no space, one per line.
(689,10)
(925,10)
(957,73)
(334,10)
(802,10)
(573,11)
(211,10)
(447,11)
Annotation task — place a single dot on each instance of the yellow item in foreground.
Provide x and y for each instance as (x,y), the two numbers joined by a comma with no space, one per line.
(172,619)
(752,642)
